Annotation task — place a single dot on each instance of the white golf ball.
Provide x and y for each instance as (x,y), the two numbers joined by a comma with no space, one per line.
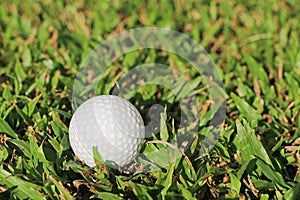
(111,124)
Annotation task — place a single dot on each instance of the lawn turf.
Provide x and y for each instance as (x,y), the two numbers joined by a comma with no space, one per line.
(255,45)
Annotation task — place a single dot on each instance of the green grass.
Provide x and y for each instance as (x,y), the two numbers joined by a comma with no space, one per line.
(255,46)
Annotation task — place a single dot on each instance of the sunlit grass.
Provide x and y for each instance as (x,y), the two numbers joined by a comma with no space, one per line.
(255,46)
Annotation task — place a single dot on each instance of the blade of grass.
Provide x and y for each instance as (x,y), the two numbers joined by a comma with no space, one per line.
(23,189)
(4,127)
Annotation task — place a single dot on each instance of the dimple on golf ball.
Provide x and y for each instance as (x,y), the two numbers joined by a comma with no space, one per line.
(111,124)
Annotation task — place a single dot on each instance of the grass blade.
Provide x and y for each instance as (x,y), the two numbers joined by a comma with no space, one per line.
(4,127)
(22,189)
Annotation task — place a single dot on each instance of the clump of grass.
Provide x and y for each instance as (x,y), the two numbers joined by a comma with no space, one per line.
(255,46)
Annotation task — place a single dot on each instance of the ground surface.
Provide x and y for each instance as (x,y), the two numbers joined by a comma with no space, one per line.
(255,46)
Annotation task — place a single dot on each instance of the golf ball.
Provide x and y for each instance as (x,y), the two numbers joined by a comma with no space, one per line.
(111,124)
